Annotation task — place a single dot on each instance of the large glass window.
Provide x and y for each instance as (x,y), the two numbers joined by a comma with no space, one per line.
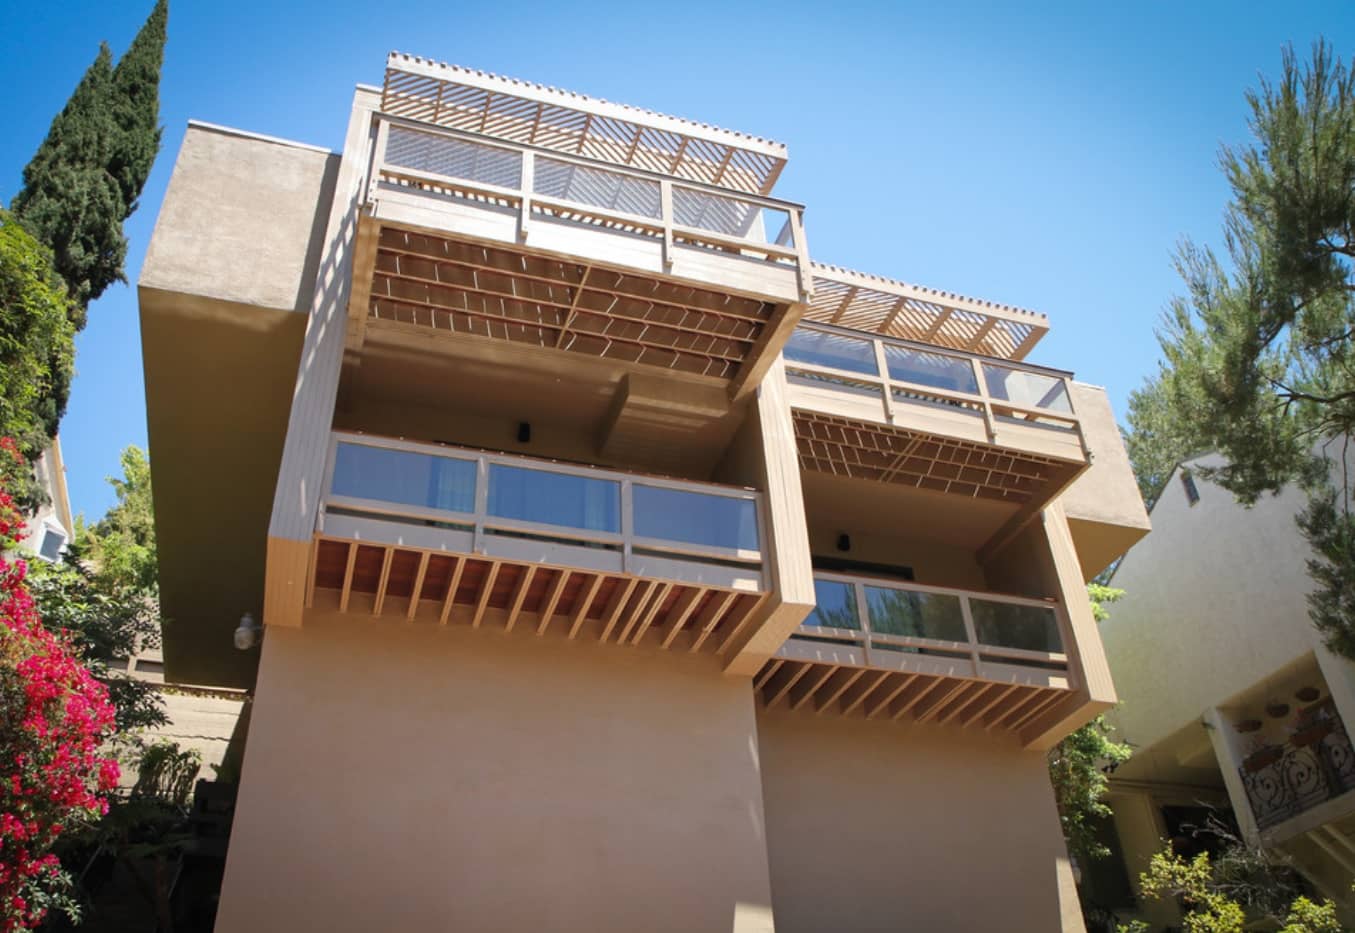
(1007,625)
(920,615)
(403,477)
(834,606)
(838,351)
(554,498)
(696,518)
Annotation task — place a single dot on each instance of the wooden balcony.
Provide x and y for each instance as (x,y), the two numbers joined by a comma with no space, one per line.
(895,411)
(449,536)
(884,649)
(505,238)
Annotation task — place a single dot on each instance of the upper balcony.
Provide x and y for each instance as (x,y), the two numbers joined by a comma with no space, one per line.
(882,648)
(447,535)
(547,222)
(908,414)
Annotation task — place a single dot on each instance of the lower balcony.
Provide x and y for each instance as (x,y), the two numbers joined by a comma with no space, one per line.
(881,648)
(451,536)
(1316,763)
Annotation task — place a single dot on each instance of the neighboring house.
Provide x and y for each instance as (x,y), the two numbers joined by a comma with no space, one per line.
(1228,697)
(621,567)
(50,529)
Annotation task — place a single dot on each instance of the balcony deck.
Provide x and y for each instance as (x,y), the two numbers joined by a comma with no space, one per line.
(448,536)
(893,411)
(495,211)
(884,649)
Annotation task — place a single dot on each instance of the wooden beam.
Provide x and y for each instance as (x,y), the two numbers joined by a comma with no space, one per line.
(418,586)
(906,703)
(616,607)
(682,609)
(488,588)
(581,609)
(706,621)
(310,574)
(837,685)
(883,698)
(638,609)
(452,585)
(992,700)
(348,577)
(925,711)
(552,600)
(780,690)
(648,618)
(766,673)
(798,700)
(381,584)
(855,695)
(524,581)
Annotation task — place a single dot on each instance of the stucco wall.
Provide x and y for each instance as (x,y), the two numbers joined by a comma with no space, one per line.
(399,777)
(242,219)
(873,826)
(1214,605)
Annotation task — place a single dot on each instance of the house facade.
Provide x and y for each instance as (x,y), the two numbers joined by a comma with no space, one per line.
(621,566)
(1233,707)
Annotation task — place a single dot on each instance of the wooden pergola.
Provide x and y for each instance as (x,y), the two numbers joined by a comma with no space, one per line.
(896,309)
(474,101)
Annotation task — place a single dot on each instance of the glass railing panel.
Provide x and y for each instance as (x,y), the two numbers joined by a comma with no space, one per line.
(550,498)
(838,351)
(694,517)
(595,187)
(935,370)
(728,216)
(455,158)
(1027,389)
(403,477)
(834,606)
(1011,625)
(918,615)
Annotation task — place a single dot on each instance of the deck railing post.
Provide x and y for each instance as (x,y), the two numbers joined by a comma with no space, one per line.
(971,633)
(802,267)
(528,186)
(627,523)
(481,504)
(882,370)
(383,128)
(987,401)
(666,212)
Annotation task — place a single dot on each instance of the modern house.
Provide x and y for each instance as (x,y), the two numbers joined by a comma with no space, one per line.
(1228,696)
(621,567)
(49,530)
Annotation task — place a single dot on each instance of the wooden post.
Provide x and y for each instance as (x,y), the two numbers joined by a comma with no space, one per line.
(528,185)
(666,212)
(987,402)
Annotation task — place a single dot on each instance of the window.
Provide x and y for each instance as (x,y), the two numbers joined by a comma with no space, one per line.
(52,543)
(1188,482)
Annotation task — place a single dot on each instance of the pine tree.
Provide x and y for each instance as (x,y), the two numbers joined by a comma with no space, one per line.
(69,200)
(136,92)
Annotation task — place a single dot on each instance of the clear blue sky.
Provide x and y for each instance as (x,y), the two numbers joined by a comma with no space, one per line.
(1050,160)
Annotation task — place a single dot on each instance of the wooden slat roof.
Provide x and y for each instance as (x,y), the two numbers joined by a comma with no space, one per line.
(475,101)
(896,309)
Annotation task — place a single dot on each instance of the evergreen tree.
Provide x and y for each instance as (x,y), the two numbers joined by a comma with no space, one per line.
(1260,351)
(136,92)
(69,200)
(87,175)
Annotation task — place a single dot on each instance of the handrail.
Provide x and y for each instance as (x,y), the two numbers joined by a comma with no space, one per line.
(973,369)
(475,490)
(969,642)
(785,245)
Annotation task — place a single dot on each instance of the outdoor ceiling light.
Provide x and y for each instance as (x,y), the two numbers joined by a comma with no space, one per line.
(248,632)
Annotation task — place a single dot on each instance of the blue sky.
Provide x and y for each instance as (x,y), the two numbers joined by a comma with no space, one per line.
(1048,156)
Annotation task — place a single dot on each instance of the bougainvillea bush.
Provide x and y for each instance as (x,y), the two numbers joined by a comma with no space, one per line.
(54,720)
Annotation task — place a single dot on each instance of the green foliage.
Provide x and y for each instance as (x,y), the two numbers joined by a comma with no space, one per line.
(105,624)
(1220,896)
(168,772)
(122,543)
(86,176)
(1076,765)
(37,348)
(69,199)
(1260,350)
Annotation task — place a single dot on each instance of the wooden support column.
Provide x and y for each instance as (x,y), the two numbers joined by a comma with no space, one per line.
(1220,729)
(296,499)
(785,532)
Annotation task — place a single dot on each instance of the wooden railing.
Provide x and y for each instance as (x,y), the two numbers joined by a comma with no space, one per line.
(480,503)
(541,185)
(900,373)
(938,629)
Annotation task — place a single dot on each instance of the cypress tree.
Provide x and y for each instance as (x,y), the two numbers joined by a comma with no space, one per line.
(136,95)
(69,200)
(87,175)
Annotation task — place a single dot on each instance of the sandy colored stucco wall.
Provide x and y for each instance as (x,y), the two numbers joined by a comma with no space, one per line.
(1213,604)
(875,827)
(407,778)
